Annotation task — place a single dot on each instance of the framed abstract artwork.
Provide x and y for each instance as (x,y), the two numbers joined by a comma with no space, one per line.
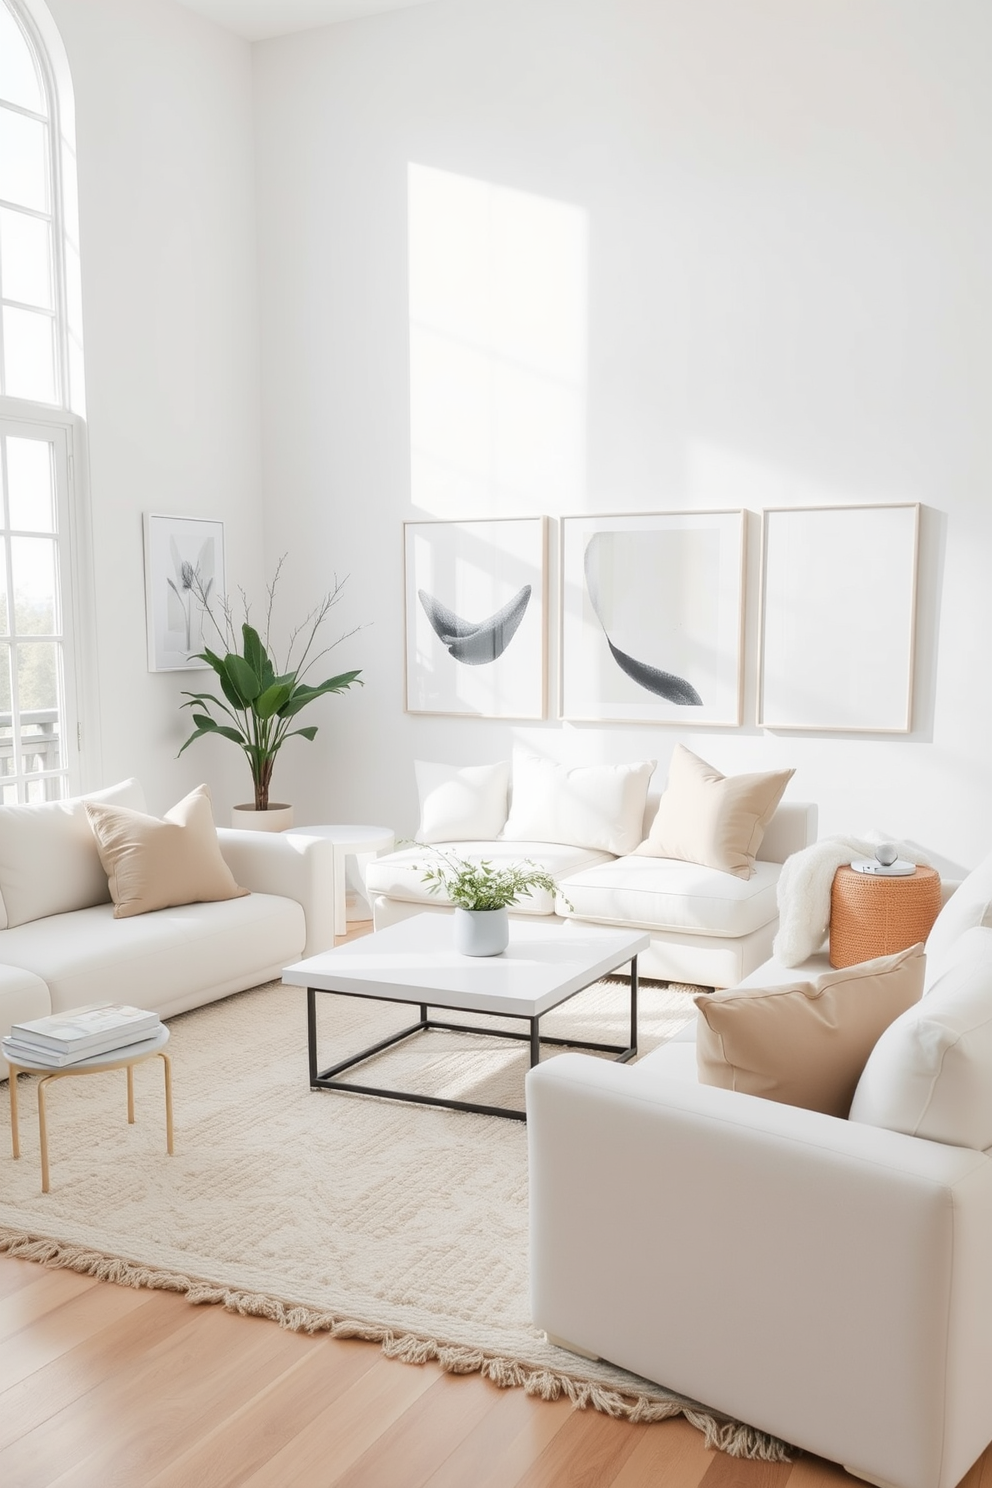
(184,556)
(651,617)
(476,625)
(838,618)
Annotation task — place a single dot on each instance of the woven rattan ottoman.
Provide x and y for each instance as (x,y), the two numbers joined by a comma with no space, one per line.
(876,916)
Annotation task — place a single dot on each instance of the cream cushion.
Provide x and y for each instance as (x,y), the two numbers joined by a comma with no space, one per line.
(805,1043)
(152,864)
(399,875)
(169,961)
(930,1074)
(667,894)
(969,905)
(595,806)
(457,804)
(713,819)
(49,862)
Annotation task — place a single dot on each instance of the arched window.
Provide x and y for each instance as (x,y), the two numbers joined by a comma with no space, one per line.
(40,383)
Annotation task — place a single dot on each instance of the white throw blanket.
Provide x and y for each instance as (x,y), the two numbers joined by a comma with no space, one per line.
(804,890)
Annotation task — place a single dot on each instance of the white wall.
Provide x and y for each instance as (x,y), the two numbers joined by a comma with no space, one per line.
(788,302)
(165,163)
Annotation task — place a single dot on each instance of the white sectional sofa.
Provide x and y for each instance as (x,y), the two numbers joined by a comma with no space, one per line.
(707,926)
(61,947)
(825,1279)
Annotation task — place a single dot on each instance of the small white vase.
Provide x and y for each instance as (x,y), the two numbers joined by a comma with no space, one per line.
(481,932)
(276,819)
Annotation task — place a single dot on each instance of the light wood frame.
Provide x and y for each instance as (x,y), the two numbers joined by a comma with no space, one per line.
(691,635)
(481,566)
(170,544)
(838,618)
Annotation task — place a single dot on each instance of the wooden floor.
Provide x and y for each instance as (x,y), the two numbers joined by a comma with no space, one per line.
(107,1387)
(103,1386)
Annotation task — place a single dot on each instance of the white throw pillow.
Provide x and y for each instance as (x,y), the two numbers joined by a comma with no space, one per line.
(930,1074)
(49,863)
(461,804)
(594,806)
(969,905)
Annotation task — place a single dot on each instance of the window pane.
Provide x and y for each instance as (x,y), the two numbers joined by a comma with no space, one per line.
(33,565)
(5,682)
(4,618)
(28,355)
(19,81)
(23,161)
(29,485)
(25,258)
(37,677)
(39,741)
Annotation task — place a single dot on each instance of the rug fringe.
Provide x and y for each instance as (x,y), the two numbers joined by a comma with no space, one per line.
(731,1437)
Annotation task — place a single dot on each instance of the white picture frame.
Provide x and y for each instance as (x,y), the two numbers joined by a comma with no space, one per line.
(176,548)
(838,618)
(652,618)
(476,617)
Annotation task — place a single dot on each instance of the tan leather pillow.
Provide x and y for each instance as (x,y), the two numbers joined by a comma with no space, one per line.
(713,819)
(152,864)
(805,1044)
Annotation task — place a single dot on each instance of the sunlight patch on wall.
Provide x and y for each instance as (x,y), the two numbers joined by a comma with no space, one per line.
(498,294)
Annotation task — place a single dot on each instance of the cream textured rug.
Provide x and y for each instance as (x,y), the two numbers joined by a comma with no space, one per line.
(323,1210)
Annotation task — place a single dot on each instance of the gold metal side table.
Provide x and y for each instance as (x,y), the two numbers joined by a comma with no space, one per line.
(125,1058)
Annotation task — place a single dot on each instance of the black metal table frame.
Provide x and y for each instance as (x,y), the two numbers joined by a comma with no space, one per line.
(328,1079)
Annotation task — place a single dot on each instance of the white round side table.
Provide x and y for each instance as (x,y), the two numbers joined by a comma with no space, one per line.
(362,843)
(125,1058)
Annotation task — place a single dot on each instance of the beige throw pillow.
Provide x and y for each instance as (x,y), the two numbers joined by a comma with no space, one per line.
(713,819)
(152,864)
(806,1043)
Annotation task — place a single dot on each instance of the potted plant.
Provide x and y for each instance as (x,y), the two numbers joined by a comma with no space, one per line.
(481,894)
(261,697)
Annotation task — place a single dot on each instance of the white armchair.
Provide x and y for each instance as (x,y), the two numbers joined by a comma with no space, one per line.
(827,1282)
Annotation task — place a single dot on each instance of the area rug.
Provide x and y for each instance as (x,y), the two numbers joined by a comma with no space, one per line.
(366,1218)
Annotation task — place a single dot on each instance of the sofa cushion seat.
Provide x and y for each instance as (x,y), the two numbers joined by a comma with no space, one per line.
(167,960)
(670,894)
(399,875)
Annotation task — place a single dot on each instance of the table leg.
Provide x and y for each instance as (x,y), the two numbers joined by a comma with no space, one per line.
(43,1130)
(168,1100)
(535,1041)
(340,891)
(633,1003)
(312,1034)
(130,1094)
(15,1136)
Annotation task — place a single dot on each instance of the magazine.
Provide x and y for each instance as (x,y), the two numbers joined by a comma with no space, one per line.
(85,1027)
(20,1051)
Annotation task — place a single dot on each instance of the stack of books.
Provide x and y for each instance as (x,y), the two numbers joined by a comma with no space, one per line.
(66,1038)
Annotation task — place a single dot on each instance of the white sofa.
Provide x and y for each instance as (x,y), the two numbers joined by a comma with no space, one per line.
(826,1280)
(706,927)
(60,946)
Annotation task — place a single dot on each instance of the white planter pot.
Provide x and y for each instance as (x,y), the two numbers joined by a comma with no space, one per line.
(276,819)
(481,932)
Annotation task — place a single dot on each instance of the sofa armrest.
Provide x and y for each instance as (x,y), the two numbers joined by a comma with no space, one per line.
(291,864)
(792,828)
(822,1280)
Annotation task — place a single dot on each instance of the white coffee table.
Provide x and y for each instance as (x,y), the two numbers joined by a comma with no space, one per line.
(413,961)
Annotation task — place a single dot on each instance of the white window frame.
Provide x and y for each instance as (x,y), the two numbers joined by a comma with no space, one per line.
(64,424)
